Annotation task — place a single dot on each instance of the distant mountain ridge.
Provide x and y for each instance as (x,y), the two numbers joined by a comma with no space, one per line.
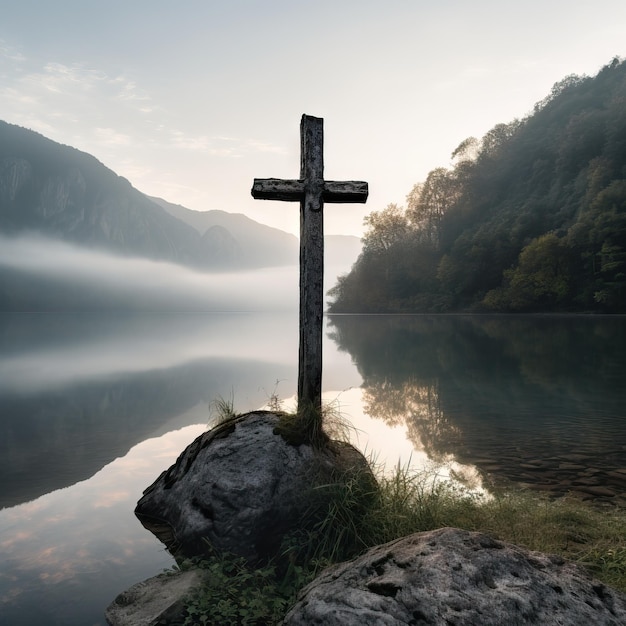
(278,247)
(255,244)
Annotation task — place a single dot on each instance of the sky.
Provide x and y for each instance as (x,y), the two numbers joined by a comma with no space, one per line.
(192,100)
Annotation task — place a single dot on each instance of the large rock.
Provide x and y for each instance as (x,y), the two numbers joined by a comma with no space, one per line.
(240,487)
(452,576)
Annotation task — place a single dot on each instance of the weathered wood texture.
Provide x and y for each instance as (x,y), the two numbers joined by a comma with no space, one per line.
(293,190)
(311,190)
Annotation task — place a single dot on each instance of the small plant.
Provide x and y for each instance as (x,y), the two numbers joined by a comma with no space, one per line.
(609,564)
(236,593)
(336,424)
(274,401)
(222,410)
(303,427)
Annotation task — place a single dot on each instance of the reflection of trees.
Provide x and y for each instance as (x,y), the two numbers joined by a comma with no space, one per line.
(565,355)
(414,404)
(495,389)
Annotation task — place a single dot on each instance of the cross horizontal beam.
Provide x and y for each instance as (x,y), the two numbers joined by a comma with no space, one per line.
(338,192)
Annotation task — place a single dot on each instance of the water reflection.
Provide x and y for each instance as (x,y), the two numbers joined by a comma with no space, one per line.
(47,350)
(78,391)
(417,407)
(537,400)
(74,550)
(391,439)
(93,408)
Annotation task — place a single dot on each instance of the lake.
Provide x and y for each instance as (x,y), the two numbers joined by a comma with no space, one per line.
(94,407)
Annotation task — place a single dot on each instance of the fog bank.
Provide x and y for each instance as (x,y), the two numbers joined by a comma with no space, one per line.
(37,273)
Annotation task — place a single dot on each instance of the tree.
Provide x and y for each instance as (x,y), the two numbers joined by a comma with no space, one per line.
(467,150)
(385,229)
(541,280)
(496,138)
(428,202)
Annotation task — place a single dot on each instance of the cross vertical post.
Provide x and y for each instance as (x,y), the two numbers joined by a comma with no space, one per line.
(311,264)
(312,191)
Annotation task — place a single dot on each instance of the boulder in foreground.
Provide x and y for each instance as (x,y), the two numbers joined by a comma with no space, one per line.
(241,487)
(451,576)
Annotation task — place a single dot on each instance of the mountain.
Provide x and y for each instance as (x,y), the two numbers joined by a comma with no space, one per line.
(251,244)
(262,245)
(531,217)
(63,193)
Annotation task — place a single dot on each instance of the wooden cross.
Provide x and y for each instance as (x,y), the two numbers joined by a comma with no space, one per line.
(311,190)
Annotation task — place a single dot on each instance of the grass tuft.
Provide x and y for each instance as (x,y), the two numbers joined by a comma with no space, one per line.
(314,427)
(222,410)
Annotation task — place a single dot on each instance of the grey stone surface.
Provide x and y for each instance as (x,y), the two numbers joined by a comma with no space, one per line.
(240,487)
(451,576)
(154,601)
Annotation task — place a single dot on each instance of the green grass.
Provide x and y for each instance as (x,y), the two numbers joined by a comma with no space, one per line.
(592,536)
(351,513)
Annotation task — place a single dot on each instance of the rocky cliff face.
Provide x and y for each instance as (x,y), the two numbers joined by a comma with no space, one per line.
(14,173)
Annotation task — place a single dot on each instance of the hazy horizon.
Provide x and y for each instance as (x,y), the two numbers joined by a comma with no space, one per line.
(81,278)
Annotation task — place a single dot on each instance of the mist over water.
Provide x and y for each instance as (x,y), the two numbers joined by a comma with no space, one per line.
(44,274)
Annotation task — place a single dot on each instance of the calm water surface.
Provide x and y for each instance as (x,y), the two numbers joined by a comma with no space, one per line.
(93,408)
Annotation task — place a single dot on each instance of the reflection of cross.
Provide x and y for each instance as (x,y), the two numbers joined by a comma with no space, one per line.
(311,190)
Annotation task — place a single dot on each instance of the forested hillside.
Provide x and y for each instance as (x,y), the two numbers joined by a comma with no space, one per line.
(529,218)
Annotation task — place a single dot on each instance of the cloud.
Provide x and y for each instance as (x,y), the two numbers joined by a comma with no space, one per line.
(220,146)
(110,136)
(130,92)
(61,79)
(10,53)
(199,143)
(104,110)
(73,99)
